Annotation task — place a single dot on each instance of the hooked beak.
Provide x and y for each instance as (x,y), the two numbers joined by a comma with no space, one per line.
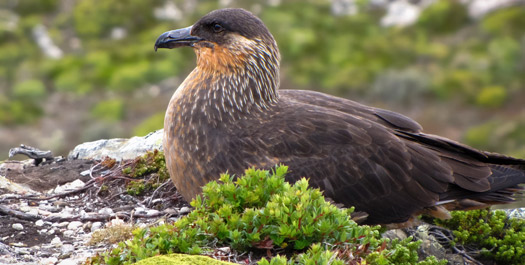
(176,38)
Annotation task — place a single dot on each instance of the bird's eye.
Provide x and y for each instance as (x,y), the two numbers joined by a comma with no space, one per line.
(217,28)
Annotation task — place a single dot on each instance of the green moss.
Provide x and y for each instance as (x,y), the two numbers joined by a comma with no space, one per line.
(261,211)
(149,171)
(499,237)
(181,259)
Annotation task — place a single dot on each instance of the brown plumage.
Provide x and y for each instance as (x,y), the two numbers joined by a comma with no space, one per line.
(228,116)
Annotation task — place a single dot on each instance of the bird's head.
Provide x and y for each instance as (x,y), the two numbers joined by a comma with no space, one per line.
(226,40)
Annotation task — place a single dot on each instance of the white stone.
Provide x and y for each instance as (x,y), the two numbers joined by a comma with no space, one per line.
(68,233)
(118,149)
(67,248)
(18,226)
(39,223)
(107,211)
(152,212)
(48,261)
(140,209)
(74,225)
(184,210)
(96,226)
(76,184)
(62,224)
(33,212)
(56,241)
(51,231)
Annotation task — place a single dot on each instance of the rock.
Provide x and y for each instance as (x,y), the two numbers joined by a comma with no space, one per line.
(96,226)
(74,225)
(152,212)
(49,261)
(106,211)
(8,185)
(184,210)
(67,248)
(56,241)
(76,184)
(395,234)
(18,226)
(118,149)
(69,233)
(516,213)
(39,223)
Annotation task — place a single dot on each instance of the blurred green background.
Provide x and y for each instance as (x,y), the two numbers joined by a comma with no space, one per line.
(81,70)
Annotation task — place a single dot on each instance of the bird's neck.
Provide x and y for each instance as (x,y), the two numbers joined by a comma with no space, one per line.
(228,92)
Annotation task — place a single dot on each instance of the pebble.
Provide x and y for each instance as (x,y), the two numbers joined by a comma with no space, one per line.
(51,231)
(22,251)
(39,223)
(184,210)
(49,261)
(68,233)
(33,212)
(152,212)
(107,211)
(96,226)
(63,224)
(77,184)
(56,241)
(67,248)
(18,226)
(74,225)
(49,208)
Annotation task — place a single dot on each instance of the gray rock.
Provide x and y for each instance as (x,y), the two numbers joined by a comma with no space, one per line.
(74,225)
(18,227)
(516,213)
(69,233)
(56,241)
(39,223)
(119,148)
(76,184)
(107,211)
(95,226)
(67,248)
(184,210)
(395,234)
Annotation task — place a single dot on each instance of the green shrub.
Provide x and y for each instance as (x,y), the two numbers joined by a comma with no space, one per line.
(499,237)
(498,135)
(109,110)
(19,112)
(508,21)
(260,210)
(443,16)
(491,96)
(72,81)
(29,90)
(151,124)
(129,76)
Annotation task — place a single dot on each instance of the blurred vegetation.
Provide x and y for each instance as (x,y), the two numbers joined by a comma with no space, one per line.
(107,52)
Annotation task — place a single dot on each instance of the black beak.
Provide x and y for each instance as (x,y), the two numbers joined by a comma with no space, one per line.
(176,38)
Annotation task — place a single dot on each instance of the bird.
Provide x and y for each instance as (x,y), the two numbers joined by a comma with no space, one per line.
(229,115)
